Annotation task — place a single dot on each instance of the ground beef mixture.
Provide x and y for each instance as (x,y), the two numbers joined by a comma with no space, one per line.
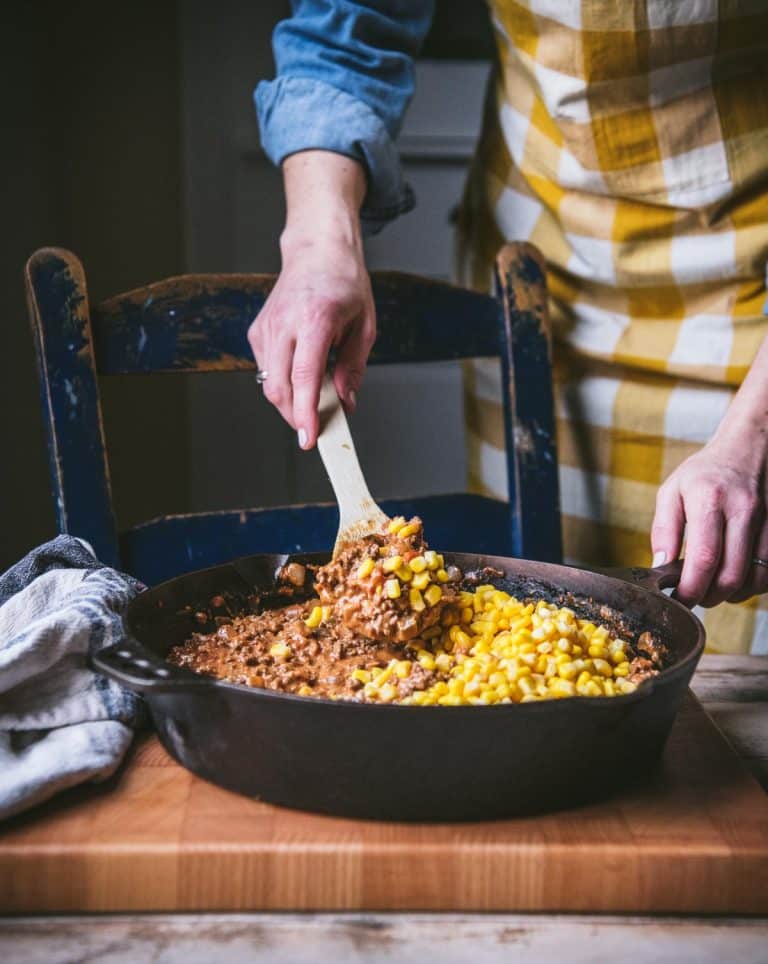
(447,640)
(389,586)
(277,650)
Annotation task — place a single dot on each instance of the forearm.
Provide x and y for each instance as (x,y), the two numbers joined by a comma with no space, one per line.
(324,192)
(746,421)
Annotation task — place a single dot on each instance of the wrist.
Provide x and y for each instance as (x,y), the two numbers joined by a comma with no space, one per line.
(323,226)
(744,435)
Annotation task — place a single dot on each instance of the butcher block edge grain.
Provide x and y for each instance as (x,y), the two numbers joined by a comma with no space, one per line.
(156,838)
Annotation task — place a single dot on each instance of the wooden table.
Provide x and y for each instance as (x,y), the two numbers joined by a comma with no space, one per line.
(734,690)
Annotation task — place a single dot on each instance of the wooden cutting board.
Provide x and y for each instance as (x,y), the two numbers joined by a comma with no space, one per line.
(694,840)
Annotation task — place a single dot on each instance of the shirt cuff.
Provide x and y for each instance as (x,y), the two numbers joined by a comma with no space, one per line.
(300,114)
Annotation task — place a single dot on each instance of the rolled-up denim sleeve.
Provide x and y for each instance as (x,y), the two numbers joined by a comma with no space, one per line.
(344,80)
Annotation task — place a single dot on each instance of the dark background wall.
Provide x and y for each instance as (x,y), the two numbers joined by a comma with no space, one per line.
(91,161)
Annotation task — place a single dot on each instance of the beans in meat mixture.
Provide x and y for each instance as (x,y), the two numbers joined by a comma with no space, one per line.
(425,641)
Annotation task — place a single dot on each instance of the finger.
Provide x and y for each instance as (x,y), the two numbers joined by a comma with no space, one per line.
(351,360)
(756,582)
(309,361)
(278,363)
(256,341)
(738,539)
(668,525)
(704,546)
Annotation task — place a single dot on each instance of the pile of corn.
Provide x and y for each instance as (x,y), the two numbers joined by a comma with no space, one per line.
(497,649)
(417,573)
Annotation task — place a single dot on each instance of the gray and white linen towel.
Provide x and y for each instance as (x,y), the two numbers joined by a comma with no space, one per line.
(60,723)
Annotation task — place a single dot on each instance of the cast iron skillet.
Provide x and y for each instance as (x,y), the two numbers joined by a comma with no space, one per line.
(410,762)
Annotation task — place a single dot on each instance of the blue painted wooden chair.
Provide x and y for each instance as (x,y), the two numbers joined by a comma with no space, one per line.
(198,323)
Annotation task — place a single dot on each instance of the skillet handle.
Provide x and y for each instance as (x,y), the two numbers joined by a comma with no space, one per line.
(138,669)
(663,577)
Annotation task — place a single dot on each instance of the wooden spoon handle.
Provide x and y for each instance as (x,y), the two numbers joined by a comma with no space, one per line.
(358,513)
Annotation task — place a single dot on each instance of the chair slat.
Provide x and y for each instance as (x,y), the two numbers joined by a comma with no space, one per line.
(69,392)
(169,546)
(529,421)
(199,323)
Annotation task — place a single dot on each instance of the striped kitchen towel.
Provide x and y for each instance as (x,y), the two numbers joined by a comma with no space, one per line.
(60,723)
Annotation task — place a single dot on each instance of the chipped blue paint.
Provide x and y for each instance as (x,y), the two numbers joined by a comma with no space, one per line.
(70,400)
(205,327)
(166,547)
(200,323)
(529,414)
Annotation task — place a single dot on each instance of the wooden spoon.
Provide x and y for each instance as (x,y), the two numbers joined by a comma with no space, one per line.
(359,516)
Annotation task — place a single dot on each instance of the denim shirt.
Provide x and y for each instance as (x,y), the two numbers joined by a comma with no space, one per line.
(344,80)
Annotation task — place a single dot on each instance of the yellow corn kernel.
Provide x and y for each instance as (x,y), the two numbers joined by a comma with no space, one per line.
(313,620)
(625,686)
(365,568)
(603,667)
(361,675)
(396,525)
(327,612)
(584,678)
(418,563)
(410,530)
(430,557)
(417,601)
(564,645)
(459,637)
(443,662)
(441,565)
(392,563)
(618,657)
(442,575)
(304,690)
(392,588)
(467,614)
(420,580)
(609,687)
(622,669)
(387,693)
(381,678)
(433,594)
(456,687)
(562,687)
(280,651)
(403,669)
(592,688)
(597,650)
(526,684)
(427,660)
(545,647)
(576,650)
(404,573)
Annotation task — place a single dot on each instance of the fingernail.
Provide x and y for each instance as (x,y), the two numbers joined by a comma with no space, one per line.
(302,438)
(352,396)
(659,558)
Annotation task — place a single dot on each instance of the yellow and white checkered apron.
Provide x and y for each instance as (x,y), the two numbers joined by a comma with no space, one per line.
(629,142)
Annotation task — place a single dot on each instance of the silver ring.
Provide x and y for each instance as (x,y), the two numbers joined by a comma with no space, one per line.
(261,376)
(760,562)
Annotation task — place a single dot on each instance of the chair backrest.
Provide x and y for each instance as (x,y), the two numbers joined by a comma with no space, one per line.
(198,323)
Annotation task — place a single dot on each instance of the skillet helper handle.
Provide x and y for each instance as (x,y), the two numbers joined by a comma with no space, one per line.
(663,577)
(140,670)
